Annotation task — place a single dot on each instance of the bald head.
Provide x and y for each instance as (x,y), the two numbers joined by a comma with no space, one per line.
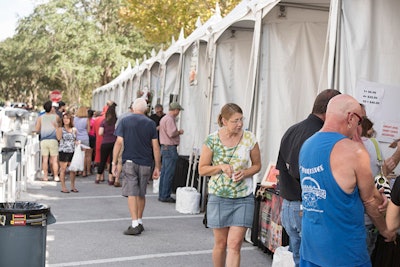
(341,104)
(343,115)
(139,106)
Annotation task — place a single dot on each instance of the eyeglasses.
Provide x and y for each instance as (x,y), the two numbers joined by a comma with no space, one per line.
(237,121)
(360,119)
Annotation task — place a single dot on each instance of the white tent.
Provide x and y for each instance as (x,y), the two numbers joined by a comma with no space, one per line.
(292,49)
(194,85)
(272,58)
(363,49)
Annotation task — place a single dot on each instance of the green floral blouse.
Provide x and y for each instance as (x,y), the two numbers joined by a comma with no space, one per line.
(239,158)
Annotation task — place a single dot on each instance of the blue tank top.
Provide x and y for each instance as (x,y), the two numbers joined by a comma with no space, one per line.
(48,126)
(333,232)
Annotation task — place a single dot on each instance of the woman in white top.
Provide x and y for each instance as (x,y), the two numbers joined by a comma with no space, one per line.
(82,125)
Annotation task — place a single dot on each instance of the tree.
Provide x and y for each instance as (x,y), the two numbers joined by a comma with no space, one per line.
(74,46)
(158,20)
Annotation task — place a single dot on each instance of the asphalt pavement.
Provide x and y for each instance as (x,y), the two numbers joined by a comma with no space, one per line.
(90,224)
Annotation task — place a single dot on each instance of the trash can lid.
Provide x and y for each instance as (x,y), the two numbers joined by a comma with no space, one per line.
(25,213)
(23,206)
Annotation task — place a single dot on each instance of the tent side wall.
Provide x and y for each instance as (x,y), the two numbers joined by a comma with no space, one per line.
(171,78)
(155,83)
(194,98)
(231,71)
(368,43)
(292,50)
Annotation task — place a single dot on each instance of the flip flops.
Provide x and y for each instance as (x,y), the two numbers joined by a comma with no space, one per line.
(66,192)
(74,190)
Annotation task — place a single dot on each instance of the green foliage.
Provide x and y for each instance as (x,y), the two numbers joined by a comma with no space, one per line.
(74,46)
(159,20)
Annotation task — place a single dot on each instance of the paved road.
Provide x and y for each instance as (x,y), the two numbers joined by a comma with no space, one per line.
(89,227)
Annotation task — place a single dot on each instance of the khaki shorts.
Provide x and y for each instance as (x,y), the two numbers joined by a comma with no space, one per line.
(49,147)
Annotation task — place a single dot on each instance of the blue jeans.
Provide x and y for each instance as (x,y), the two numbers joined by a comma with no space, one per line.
(169,156)
(291,221)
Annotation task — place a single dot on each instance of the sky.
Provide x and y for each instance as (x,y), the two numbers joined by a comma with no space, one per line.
(10,11)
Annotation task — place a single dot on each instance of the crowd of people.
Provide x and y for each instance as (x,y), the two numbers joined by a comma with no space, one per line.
(61,129)
(333,177)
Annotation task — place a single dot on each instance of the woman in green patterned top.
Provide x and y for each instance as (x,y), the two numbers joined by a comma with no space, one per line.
(231,156)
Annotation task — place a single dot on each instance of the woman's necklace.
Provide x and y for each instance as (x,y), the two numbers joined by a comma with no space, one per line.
(231,140)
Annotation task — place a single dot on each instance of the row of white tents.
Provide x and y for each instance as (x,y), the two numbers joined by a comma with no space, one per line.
(272,58)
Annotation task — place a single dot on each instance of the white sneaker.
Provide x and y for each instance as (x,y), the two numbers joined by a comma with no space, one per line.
(56,179)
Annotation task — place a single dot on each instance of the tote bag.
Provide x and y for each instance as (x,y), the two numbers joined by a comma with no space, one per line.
(77,161)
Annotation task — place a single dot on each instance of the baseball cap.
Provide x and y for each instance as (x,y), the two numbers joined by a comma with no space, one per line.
(175,105)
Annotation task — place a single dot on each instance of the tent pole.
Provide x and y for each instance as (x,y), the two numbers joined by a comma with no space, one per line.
(337,50)
(211,85)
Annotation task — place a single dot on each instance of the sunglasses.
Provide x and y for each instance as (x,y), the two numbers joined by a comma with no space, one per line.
(360,119)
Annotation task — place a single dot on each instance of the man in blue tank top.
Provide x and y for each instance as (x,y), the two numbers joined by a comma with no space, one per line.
(288,166)
(337,185)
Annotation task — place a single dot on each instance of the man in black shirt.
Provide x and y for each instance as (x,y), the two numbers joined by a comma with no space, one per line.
(157,115)
(288,166)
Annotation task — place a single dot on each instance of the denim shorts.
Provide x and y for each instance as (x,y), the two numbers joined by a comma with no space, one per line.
(225,212)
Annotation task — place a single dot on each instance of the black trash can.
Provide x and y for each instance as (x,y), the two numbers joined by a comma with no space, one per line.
(181,171)
(23,231)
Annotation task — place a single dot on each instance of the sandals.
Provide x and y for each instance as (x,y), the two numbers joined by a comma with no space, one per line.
(117,184)
(99,181)
(72,190)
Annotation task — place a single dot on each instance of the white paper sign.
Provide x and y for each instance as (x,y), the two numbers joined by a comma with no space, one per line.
(382,105)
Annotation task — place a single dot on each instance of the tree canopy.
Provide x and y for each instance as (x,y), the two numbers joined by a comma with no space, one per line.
(159,20)
(75,46)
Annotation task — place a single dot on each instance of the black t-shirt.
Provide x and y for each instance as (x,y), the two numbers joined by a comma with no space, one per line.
(156,118)
(395,195)
(288,157)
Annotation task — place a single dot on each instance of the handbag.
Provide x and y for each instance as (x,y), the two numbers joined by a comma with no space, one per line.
(77,162)
(380,179)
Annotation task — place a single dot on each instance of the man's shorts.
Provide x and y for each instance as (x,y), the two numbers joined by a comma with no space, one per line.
(134,179)
(49,147)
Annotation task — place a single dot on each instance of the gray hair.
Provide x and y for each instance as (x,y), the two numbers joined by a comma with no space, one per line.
(139,105)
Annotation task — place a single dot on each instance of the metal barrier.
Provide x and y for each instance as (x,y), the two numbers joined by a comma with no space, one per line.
(19,169)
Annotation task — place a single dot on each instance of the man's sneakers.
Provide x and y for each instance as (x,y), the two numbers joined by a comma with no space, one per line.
(167,200)
(141,227)
(56,179)
(134,230)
